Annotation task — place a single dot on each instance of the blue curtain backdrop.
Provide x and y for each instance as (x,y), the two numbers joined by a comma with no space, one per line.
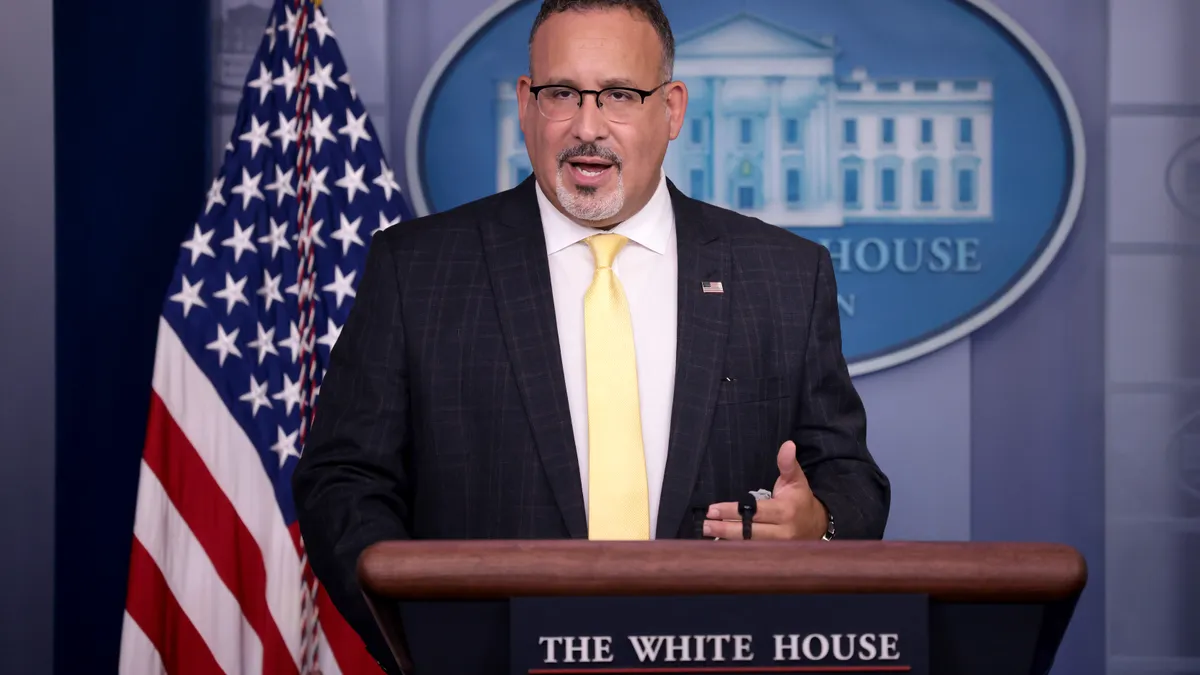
(131,104)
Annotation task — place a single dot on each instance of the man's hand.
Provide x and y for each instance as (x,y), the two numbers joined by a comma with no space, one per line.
(793,512)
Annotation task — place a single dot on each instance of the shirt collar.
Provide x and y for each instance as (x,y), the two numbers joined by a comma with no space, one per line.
(650,227)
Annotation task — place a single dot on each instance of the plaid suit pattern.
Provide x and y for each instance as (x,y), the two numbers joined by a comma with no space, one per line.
(444,414)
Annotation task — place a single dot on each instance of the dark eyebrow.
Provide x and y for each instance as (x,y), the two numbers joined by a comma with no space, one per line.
(560,82)
(618,82)
(605,84)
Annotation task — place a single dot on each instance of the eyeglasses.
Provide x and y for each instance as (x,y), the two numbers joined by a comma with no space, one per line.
(559,102)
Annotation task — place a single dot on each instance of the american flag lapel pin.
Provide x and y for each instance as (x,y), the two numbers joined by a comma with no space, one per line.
(712,287)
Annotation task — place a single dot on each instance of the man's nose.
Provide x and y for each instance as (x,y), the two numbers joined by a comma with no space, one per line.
(589,123)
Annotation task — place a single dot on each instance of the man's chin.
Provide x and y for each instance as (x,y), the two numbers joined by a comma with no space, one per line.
(595,209)
(594,201)
(588,194)
(585,191)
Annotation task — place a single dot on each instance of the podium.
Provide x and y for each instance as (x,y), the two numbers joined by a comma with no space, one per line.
(542,607)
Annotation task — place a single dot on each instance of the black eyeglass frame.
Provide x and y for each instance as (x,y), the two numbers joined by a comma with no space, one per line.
(643,93)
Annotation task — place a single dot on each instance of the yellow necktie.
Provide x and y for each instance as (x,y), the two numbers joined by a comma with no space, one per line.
(618,497)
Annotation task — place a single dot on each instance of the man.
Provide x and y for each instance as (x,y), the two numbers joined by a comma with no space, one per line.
(591,354)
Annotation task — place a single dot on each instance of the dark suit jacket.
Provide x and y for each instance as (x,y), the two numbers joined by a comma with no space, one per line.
(443,412)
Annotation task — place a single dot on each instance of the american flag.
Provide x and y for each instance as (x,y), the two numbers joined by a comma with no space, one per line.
(218,578)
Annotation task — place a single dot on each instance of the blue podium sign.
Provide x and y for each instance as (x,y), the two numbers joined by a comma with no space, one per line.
(720,634)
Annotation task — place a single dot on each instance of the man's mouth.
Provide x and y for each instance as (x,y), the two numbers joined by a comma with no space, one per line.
(590,168)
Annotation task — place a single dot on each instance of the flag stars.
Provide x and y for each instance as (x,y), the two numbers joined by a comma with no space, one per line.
(320,130)
(291,25)
(263,83)
(326,281)
(199,243)
(386,180)
(352,181)
(270,33)
(285,445)
(256,137)
(342,285)
(349,82)
(289,80)
(277,238)
(332,332)
(290,394)
(313,236)
(225,344)
(292,343)
(317,184)
(322,78)
(233,293)
(257,396)
(282,186)
(263,343)
(286,132)
(356,129)
(384,223)
(320,25)
(240,241)
(348,233)
(248,188)
(270,290)
(214,194)
(189,296)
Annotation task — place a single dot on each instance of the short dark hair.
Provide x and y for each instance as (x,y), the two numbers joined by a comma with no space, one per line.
(650,9)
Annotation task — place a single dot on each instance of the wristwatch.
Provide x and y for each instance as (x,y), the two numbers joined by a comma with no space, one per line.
(830,530)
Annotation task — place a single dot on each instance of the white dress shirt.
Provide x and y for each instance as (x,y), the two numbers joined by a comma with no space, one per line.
(647,268)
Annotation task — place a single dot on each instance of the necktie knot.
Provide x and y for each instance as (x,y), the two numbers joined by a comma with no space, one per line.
(605,248)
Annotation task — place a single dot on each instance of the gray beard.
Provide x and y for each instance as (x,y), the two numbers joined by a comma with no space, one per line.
(585,204)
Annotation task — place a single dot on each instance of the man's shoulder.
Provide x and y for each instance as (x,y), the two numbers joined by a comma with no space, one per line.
(422,232)
(748,232)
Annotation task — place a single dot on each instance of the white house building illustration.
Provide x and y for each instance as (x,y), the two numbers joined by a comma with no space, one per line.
(772,133)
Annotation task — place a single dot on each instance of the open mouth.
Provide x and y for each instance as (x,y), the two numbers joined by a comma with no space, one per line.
(590,168)
(589,171)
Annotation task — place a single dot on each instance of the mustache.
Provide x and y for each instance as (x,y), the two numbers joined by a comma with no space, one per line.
(589,150)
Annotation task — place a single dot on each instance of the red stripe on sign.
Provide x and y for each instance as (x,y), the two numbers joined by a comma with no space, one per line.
(745,669)
(215,523)
(152,606)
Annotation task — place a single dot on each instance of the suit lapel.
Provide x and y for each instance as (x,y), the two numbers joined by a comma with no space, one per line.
(515,249)
(703,324)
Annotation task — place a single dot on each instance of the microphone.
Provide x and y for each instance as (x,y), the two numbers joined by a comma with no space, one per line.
(747,507)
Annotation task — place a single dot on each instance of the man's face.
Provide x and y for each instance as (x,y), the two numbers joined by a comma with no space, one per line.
(597,170)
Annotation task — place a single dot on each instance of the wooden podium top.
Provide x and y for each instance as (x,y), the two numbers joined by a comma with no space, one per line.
(495,569)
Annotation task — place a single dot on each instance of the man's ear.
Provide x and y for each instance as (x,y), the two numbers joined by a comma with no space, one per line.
(676,95)
(524,82)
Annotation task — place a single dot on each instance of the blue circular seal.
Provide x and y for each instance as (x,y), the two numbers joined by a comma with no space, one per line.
(1182,178)
(930,145)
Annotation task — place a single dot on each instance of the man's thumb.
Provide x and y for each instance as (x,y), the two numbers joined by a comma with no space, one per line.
(789,468)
